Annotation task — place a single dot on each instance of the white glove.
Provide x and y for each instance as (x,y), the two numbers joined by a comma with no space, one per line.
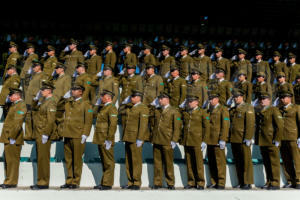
(203,146)
(44,139)
(87,53)
(67,95)
(38,96)
(99,74)
(222,144)
(98,102)
(83,138)
(276,143)
(247,142)
(25,54)
(173,144)
(45,54)
(67,48)
(107,144)
(298,143)
(12,141)
(139,143)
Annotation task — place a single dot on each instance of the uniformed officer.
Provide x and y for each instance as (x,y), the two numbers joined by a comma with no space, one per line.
(261,66)
(223,86)
(44,120)
(242,64)
(176,88)
(30,57)
(294,68)
(148,59)
(242,118)
(222,63)
(71,57)
(49,60)
(245,85)
(134,135)
(93,61)
(104,137)
(130,58)
(12,137)
(129,82)
(78,119)
(197,87)
(12,82)
(38,77)
(84,79)
(167,129)
(216,142)
(278,66)
(283,86)
(196,128)
(261,85)
(186,63)
(296,88)
(268,134)
(167,63)
(109,82)
(203,63)
(110,57)
(62,85)
(12,59)
(290,143)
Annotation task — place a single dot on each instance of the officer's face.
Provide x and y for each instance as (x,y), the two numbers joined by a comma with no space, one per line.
(238,99)
(135,99)
(165,52)
(126,49)
(260,79)
(183,52)
(14,97)
(108,48)
(219,54)
(258,57)
(150,71)
(276,58)
(36,68)
(59,70)
(80,70)
(214,101)
(30,50)
(107,72)
(201,51)
(10,71)
(72,46)
(12,49)
(130,71)
(281,79)
(92,52)
(76,93)
(163,101)
(51,53)
(241,56)
(265,102)
(46,92)
(219,75)
(292,60)
(174,73)
(195,76)
(193,104)
(241,77)
(146,51)
(286,100)
(105,98)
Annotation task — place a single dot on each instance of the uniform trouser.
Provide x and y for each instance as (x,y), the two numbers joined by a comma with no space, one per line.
(93,95)
(133,162)
(43,161)
(108,164)
(217,165)
(290,155)
(73,155)
(163,159)
(243,163)
(271,160)
(194,165)
(29,124)
(12,162)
